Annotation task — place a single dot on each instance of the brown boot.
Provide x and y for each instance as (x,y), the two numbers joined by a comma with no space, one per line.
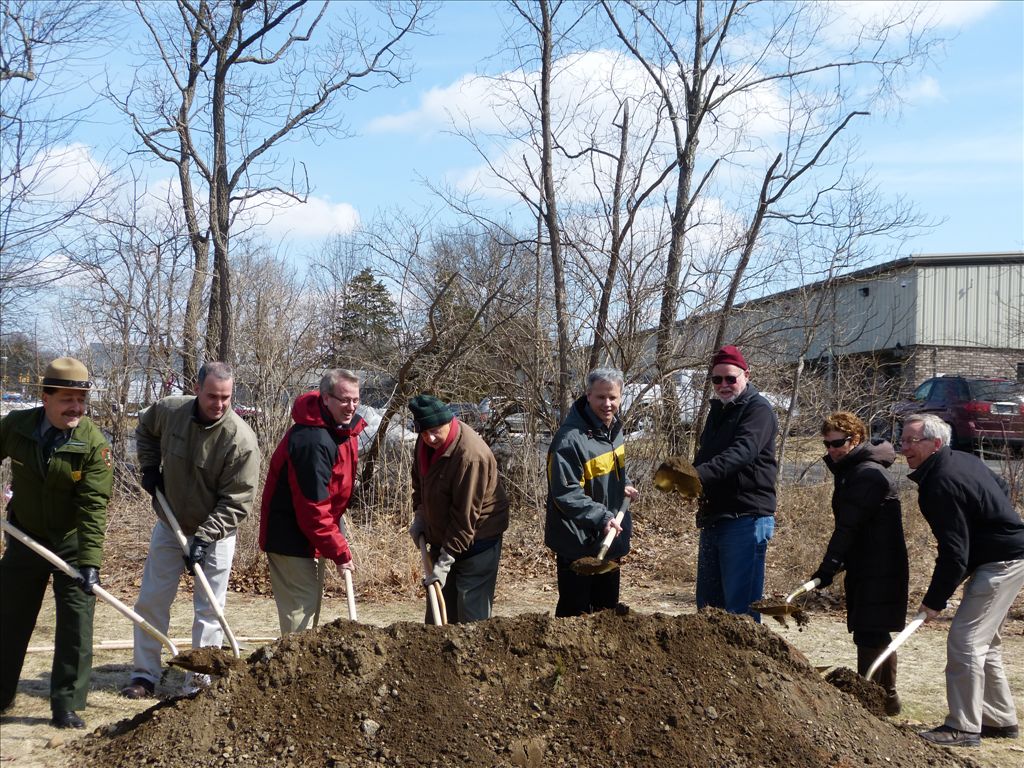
(885,676)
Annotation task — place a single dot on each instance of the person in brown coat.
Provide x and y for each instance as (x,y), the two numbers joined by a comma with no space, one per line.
(459,506)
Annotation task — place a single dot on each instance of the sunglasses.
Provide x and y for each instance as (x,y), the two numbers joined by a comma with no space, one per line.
(839,442)
(720,379)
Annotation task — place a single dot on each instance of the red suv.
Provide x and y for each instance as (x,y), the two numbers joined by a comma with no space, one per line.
(980,411)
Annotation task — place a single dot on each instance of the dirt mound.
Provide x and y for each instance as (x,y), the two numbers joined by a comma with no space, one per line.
(610,689)
(870,694)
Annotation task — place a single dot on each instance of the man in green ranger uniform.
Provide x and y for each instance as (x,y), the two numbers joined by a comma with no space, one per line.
(60,463)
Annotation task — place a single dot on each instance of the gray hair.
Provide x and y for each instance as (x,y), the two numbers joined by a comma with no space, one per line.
(932,427)
(611,375)
(332,377)
(215,370)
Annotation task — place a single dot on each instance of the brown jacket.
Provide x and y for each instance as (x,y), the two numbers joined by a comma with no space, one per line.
(461,495)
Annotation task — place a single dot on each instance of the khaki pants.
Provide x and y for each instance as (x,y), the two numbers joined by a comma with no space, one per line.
(976,688)
(298,584)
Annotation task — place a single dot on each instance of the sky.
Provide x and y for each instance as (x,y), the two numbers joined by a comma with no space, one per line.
(955,150)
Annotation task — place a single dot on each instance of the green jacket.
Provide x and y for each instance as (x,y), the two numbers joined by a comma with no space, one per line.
(210,471)
(53,503)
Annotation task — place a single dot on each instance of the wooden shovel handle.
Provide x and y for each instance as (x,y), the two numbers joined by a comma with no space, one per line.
(350,596)
(897,641)
(606,542)
(101,593)
(198,574)
(432,594)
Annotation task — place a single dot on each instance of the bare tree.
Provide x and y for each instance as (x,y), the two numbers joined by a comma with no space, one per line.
(787,72)
(233,81)
(46,181)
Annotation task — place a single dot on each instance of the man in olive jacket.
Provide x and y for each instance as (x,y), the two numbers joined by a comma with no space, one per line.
(460,507)
(60,464)
(205,459)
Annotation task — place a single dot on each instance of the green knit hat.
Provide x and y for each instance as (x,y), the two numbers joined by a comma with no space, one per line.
(429,412)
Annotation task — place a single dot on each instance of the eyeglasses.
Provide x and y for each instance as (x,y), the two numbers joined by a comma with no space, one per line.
(839,442)
(720,379)
(912,440)
(344,400)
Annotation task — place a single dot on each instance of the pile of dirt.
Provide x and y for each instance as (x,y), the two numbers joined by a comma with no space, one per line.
(631,690)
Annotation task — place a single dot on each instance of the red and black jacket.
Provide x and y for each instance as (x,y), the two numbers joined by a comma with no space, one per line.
(309,484)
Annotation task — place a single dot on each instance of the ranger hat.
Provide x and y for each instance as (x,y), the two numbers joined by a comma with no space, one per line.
(429,412)
(66,373)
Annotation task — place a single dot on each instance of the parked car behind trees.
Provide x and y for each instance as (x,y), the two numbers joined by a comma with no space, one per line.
(982,412)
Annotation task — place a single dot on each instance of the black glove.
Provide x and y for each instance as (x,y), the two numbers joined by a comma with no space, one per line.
(196,554)
(825,576)
(152,478)
(89,578)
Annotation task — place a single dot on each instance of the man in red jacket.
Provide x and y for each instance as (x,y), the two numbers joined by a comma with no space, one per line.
(307,491)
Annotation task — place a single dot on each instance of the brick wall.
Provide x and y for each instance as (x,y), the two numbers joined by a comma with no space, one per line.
(925,362)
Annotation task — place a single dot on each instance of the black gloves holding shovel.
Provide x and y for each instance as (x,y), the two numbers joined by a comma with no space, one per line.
(196,554)
(90,577)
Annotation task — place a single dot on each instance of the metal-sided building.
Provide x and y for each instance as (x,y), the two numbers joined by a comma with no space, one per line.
(913,318)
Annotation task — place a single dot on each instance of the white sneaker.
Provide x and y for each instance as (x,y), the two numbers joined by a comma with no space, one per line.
(194,683)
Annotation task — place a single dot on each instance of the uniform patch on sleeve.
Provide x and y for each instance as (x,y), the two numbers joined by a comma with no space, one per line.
(105,455)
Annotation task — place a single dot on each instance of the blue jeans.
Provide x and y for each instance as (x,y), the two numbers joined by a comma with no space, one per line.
(730,563)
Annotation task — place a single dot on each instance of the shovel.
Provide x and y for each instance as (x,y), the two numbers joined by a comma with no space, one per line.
(200,577)
(786,608)
(901,638)
(350,596)
(434,596)
(101,593)
(593,566)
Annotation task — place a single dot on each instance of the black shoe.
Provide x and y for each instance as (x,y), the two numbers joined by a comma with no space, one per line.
(944,736)
(138,688)
(62,719)
(1000,731)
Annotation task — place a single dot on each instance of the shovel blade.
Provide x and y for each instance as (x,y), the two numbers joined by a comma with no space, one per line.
(207,661)
(593,566)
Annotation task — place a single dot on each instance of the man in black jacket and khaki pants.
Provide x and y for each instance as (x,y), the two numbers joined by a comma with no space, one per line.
(980,538)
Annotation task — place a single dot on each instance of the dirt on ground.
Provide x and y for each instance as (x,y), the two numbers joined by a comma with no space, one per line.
(616,688)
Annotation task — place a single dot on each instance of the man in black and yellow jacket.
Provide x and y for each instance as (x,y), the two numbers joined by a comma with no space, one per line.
(587,486)
(60,464)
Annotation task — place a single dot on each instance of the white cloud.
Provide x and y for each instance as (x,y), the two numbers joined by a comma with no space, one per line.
(281,216)
(468,99)
(65,172)
(588,90)
(921,91)
(944,14)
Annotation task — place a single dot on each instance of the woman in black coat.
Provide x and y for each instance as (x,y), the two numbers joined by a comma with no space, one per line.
(867,543)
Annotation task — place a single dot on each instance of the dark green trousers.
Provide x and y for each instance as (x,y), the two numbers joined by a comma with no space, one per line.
(23,579)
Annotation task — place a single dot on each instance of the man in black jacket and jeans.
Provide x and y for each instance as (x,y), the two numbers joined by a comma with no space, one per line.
(980,538)
(737,469)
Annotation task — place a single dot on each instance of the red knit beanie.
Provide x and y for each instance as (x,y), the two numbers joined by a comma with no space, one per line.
(729,355)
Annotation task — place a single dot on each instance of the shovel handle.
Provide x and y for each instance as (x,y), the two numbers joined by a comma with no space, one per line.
(807,586)
(350,596)
(200,577)
(101,593)
(432,594)
(908,630)
(606,542)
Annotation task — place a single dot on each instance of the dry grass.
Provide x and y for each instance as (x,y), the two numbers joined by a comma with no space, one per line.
(664,544)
